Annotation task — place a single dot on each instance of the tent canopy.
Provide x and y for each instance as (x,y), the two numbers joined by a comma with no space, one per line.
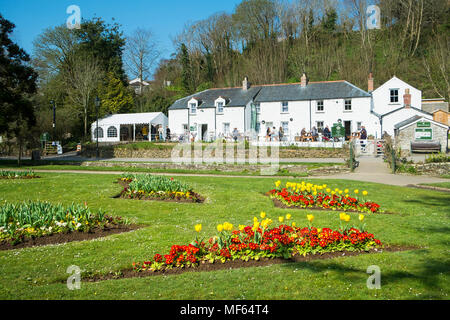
(131,118)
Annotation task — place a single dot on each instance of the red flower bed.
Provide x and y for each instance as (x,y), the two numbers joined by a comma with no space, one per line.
(254,243)
(308,196)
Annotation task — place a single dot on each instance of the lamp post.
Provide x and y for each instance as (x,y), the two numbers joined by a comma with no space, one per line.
(97,107)
(53,105)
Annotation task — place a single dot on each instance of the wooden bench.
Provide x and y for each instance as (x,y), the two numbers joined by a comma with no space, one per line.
(425,146)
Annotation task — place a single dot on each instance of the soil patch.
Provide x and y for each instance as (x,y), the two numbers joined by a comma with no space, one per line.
(69,237)
(123,195)
(279,204)
(206,267)
(19,178)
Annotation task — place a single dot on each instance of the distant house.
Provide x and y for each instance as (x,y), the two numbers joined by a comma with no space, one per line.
(139,86)
(442,117)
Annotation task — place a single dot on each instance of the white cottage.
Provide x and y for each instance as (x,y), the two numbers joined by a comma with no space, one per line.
(251,110)
(216,113)
(130,127)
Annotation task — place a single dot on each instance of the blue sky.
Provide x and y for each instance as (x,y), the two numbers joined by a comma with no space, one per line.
(165,18)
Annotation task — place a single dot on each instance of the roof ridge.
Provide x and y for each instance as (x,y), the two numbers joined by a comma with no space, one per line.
(280,84)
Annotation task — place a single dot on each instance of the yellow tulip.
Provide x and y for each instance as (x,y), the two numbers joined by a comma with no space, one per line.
(347,218)
(310,217)
(278,184)
(294,224)
(365,193)
(263,215)
(241,227)
(328,190)
(361,217)
(288,217)
(220,228)
(198,227)
(281,219)
(356,191)
(346,190)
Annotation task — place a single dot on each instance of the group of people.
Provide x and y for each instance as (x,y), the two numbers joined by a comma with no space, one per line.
(313,135)
(272,134)
(160,133)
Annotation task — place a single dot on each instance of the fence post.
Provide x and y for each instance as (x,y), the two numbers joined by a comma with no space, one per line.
(352,166)
(394,162)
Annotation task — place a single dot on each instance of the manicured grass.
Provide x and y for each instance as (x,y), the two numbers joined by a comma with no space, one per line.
(440,185)
(124,168)
(40,273)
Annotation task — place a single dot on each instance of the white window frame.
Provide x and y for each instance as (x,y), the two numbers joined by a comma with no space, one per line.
(391,96)
(193,108)
(320,128)
(220,105)
(346,104)
(110,133)
(322,106)
(224,125)
(285,107)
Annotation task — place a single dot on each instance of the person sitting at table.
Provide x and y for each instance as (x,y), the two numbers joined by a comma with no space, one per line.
(303,135)
(327,133)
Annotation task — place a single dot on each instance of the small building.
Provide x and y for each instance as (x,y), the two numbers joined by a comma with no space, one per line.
(442,117)
(130,127)
(432,105)
(423,131)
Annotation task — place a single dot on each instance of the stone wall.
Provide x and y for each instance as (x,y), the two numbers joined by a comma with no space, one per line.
(165,152)
(407,135)
(244,168)
(433,169)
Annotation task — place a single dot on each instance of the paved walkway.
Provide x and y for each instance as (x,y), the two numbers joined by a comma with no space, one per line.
(373,169)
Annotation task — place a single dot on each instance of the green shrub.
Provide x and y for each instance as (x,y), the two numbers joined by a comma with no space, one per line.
(437,158)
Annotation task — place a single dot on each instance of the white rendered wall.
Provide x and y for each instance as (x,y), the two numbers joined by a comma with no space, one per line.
(391,120)
(382,96)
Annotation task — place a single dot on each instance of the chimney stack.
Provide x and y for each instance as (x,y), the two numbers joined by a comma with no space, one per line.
(245,84)
(407,99)
(304,81)
(371,83)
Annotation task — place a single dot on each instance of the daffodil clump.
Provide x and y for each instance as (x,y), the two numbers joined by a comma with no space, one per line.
(263,240)
(145,186)
(307,195)
(9,174)
(37,219)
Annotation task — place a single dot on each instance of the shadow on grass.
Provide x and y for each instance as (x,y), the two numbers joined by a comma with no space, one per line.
(427,273)
(431,200)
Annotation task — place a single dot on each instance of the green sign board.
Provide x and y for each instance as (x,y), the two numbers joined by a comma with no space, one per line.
(193,128)
(424,134)
(338,130)
(423,124)
(45,137)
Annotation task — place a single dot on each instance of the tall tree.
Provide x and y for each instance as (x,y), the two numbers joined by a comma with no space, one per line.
(17,83)
(141,54)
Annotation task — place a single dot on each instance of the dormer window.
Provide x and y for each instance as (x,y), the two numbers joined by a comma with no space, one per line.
(220,104)
(285,107)
(193,107)
(219,107)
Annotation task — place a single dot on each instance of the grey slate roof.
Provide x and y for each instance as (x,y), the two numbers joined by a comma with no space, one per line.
(407,121)
(275,93)
(236,97)
(313,91)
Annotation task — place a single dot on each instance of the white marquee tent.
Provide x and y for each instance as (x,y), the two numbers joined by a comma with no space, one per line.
(130,127)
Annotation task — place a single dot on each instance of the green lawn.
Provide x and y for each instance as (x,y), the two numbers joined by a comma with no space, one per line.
(60,165)
(440,185)
(40,273)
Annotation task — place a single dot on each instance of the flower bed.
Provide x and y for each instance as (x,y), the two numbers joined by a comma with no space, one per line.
(29,220)
(148,187)
(260,242)
(310,196)
(6,174)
